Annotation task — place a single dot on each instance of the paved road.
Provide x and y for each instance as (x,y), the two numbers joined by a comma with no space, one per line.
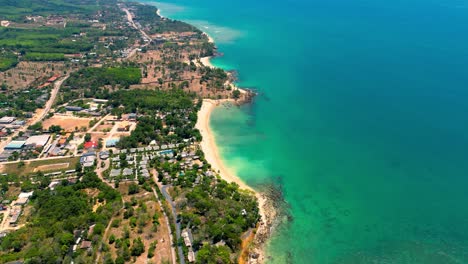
(177,224)
(130,19)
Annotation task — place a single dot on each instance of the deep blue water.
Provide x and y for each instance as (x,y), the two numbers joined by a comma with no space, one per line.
(362,118)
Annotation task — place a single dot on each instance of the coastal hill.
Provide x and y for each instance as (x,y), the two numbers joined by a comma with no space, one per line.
(100,158)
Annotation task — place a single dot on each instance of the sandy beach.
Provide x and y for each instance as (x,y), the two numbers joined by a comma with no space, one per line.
(211,151)
(212,155)
(209,146)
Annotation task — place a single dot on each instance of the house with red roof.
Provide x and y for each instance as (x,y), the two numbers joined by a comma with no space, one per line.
(90,144)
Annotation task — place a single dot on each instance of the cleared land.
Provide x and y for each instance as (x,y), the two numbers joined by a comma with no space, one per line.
(68,123)
(53,167)
(30,166)
(27,73)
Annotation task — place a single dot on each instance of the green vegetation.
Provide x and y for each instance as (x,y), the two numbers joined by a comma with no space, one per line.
(7,61)
(19,103)
(148,18)
(219,212)
(43,40)
(17,9)
(36,56)
(56,215)
(90,82)
(28,168)
(213,255)
(149,101)
(99,77)
(180,121)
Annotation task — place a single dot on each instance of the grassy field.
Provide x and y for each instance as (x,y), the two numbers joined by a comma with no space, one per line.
(28,168)
(7,62)
(36,56)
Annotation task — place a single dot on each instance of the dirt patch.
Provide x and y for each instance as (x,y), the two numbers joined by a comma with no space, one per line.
(54,167)
(28,167)
(68,123)
(104,128)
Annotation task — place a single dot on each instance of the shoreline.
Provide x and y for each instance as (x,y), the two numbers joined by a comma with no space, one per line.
(256,250)
(210,149)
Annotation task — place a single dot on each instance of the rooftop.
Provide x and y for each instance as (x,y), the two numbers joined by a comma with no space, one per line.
(15,144)
(40,140)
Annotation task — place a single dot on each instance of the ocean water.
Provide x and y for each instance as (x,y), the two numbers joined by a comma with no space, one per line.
(361,119)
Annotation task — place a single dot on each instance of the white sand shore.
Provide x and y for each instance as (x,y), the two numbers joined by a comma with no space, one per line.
(209,146)
(212,155)
(159,13)
(206,61)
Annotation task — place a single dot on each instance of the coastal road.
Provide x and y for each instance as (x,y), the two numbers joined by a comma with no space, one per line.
(177,224)
(130,19)
(142,32)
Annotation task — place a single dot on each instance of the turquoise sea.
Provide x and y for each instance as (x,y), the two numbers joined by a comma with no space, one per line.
(361,120)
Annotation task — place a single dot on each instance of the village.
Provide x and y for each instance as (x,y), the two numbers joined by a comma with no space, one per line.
(112,118)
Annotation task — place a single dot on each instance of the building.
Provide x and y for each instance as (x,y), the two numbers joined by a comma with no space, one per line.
(62,141)
(7,120)
(38,141)
(4,23)
(111,142)
(90,144)
(19,123)
(127,172)
(124,126)
(21,201)
(187,236)
(100,101)
(15,145)
(132,117)
(114,173)
(191,256)
(26,194)
(73,108)
(104,155)
(53,78)
(85,244)
(87,160)
(14,215)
